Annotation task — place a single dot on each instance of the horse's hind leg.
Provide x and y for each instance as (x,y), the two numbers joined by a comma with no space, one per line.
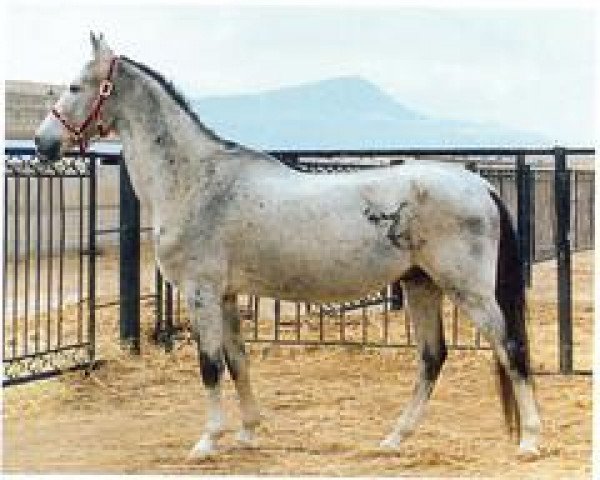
(423,302)
(517,391)
(237,364)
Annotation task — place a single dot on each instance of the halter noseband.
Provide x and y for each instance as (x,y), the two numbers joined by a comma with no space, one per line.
(106,87)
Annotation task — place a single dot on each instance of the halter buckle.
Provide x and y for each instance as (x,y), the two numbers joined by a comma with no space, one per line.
(106,88)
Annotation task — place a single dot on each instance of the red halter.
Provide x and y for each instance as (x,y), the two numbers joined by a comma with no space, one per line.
(106,87)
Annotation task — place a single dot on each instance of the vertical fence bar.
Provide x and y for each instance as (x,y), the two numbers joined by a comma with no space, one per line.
(169,331)
(49,266)
(364,320)
(158,313)
(523,215)
(532,228)
(277,313)
(397,299)
(407,328)
(129,264)
(249,303)
(179,308)
(92,205)
(256,313)
(529,221)
(15,324)
(321,333)
(80,266)
(4,264)
(27,260)
(61,259)
(38,262)
(342,323)
(386,318)
(454,325)
(563,255)
(575,228)
(591,208)
(297,321)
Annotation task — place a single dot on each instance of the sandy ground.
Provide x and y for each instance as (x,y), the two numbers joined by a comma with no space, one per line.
(325,409)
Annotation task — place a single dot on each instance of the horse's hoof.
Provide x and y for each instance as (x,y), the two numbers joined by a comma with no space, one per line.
(391,442)
(528,449)
(203,449)
(245,437)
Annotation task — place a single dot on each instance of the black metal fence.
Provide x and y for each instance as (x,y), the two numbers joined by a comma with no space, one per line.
(48,329)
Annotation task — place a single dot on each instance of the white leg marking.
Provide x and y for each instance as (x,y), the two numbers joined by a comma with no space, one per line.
(207,445)
(410,417)
(489,318)
(530,419)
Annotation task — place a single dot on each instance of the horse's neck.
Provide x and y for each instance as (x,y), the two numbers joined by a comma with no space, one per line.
(167,154)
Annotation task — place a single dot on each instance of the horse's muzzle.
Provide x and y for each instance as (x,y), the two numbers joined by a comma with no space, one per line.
(47,151)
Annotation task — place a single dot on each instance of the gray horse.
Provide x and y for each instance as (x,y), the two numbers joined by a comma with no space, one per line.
(221,214)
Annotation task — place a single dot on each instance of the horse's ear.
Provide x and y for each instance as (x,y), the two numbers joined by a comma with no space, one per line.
(95,42)
(99,45)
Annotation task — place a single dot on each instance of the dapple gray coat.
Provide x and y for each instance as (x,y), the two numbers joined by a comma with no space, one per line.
(225,219)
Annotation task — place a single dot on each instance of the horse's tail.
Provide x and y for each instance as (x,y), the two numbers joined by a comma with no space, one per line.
(510,295)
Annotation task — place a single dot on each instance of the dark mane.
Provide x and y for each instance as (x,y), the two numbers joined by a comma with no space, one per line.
(176,95)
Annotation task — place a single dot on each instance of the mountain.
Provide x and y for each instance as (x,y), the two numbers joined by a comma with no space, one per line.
(342,113)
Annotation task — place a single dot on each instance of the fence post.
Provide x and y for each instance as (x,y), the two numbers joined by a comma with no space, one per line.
(562,199)
(129,278)
(524,215)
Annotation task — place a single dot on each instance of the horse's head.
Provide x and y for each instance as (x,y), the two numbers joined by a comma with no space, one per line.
(76,116)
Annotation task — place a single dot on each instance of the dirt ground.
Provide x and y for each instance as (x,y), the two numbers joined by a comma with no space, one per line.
(325,409)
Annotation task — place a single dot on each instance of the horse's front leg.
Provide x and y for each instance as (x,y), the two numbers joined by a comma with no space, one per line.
(204,304)
(237,364)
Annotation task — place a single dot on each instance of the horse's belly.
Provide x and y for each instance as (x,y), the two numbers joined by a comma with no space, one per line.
(313,289)
(308,268)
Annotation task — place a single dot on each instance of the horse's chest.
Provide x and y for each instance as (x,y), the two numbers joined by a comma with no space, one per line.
(186,252)
(171,253)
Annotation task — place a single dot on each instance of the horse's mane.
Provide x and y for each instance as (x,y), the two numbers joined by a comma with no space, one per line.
(178,97)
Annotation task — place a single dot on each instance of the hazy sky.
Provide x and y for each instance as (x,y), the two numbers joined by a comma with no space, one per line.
(528,69)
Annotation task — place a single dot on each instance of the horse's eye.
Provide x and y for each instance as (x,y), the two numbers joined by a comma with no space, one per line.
(73,88)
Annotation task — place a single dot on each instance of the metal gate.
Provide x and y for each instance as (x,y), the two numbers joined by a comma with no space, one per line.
(48,266)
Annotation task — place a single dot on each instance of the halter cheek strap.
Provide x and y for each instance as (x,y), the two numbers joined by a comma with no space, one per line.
(78,131)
